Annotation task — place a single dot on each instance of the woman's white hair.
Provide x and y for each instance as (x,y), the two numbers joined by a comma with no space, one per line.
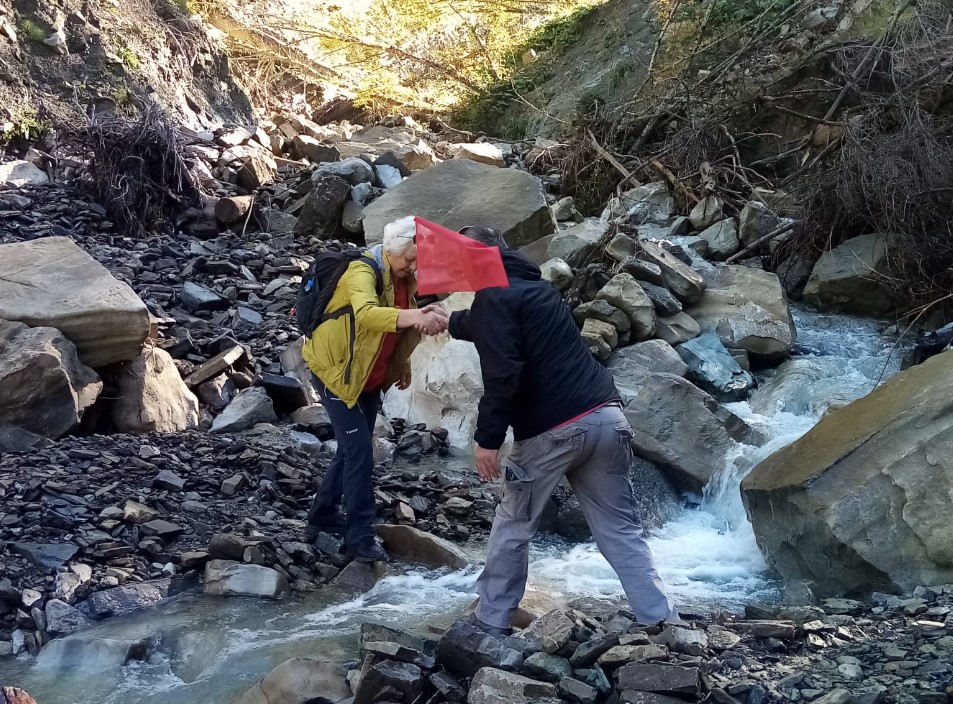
(399,235)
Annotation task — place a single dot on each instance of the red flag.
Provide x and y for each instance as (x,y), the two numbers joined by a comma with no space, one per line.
(448,262)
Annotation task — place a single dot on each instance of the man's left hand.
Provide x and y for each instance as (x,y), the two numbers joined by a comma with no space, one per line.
(487,463)
(404,381)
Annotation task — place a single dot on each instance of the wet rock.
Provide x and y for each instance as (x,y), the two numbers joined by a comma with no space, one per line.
(405,679)
(44,388)
(361,576)
(713,368)
(682,428)
(250,406)
(464,649)
(493,686)
(444,194)
(859,456)
(127,598)
(300,680)
(227,578)
(62,619)
(571,522)
(87,654)
(417,546)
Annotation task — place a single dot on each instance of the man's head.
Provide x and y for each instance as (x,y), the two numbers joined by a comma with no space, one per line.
(484,235)
(400,247)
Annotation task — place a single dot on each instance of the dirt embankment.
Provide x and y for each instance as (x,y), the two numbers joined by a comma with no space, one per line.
(62,59)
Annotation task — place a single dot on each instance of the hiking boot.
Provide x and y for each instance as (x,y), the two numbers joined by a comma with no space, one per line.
(494,631)
(367,550)
(330,523)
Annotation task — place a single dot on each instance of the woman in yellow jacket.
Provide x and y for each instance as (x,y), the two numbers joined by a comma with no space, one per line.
(354,358)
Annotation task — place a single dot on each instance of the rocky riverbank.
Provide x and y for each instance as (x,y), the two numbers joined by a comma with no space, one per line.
(839,652)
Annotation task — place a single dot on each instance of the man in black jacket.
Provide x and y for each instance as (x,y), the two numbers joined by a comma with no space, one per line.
(540,379)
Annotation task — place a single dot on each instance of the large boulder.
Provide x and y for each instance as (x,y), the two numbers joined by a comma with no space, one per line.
(447,384)
(680,427)
(576,245)
(861,502)
(460,192)
(44,388)
(408,543)
(849,278)
(722,239)
(152,396)
(300,681)
(50,282)
(748,310)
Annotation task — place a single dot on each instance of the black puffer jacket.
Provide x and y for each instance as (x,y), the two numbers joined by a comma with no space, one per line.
(537,372)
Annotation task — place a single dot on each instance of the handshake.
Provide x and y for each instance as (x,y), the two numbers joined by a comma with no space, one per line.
(431,320)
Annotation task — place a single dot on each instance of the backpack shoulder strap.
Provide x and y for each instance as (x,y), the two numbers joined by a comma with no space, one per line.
(378,274)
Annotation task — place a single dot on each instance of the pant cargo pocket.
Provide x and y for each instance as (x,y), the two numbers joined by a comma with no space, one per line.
(517,491)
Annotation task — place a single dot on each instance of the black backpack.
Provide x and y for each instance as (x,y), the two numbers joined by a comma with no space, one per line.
(318,284)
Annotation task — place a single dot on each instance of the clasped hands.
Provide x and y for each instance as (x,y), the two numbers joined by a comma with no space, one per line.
(431,320)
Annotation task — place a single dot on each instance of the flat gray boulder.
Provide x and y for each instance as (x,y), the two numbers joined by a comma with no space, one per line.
(250,407)
(227,578)
(850,278)
(50,282)
(460,192)
(862,501)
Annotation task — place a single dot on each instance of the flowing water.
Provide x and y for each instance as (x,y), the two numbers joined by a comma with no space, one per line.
(212,650)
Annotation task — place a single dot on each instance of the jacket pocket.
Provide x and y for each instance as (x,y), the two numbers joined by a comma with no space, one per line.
(517,491)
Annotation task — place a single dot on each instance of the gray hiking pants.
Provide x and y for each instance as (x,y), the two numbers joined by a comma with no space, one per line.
(594,454)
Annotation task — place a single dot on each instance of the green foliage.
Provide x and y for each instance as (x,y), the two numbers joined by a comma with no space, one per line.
(32,30)
(124,98)
(128,57)
(561,33)
(735,12)
(29,127)
(433,54)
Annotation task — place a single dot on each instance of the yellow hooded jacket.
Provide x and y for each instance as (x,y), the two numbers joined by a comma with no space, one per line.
(329,353)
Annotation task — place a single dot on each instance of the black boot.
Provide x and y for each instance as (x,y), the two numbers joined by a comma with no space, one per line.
(367,550)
